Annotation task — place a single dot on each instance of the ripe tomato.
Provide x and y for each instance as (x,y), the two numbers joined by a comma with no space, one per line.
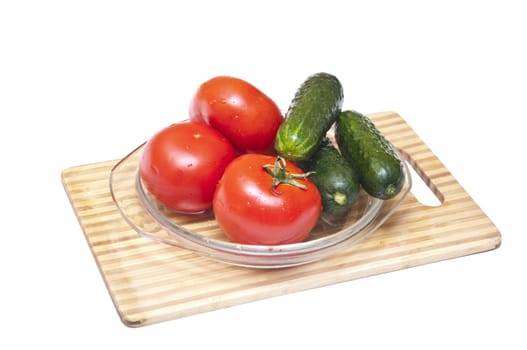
(254,207)
(241,112)
(181,165)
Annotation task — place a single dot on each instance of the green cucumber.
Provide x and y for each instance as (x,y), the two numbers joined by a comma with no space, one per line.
(336,180)
(315,107)
(361,143)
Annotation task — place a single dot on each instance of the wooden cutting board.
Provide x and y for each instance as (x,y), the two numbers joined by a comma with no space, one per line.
(150,282)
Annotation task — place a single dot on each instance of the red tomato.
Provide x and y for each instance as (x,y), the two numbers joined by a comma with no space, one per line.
(251,208)
(182,163)
(241,112)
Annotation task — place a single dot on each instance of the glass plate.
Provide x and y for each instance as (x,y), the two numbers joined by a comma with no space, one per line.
(200,233)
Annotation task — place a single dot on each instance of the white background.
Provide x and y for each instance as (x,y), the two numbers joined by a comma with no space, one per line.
(86,81)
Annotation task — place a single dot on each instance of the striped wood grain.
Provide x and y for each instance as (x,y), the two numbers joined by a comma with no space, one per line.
(150,282)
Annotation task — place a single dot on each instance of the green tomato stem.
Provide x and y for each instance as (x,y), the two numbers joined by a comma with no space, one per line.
(280,175)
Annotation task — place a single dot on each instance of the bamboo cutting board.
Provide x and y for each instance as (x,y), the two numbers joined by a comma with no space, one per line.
(150,282)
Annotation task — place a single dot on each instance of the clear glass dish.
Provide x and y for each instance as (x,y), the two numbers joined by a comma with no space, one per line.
(201,234)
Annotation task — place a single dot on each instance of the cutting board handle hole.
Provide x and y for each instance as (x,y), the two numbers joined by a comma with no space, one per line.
(422,187)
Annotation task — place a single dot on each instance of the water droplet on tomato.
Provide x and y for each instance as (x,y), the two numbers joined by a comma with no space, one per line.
(154,169)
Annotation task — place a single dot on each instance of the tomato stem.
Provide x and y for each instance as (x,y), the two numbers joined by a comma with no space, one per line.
(280,175)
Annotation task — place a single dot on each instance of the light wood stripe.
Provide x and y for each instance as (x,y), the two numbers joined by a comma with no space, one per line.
(151,282)
(398,241)
(160,290)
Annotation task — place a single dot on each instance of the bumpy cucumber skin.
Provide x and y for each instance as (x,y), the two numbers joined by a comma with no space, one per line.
(315,107)
(361,143)
(335,178)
